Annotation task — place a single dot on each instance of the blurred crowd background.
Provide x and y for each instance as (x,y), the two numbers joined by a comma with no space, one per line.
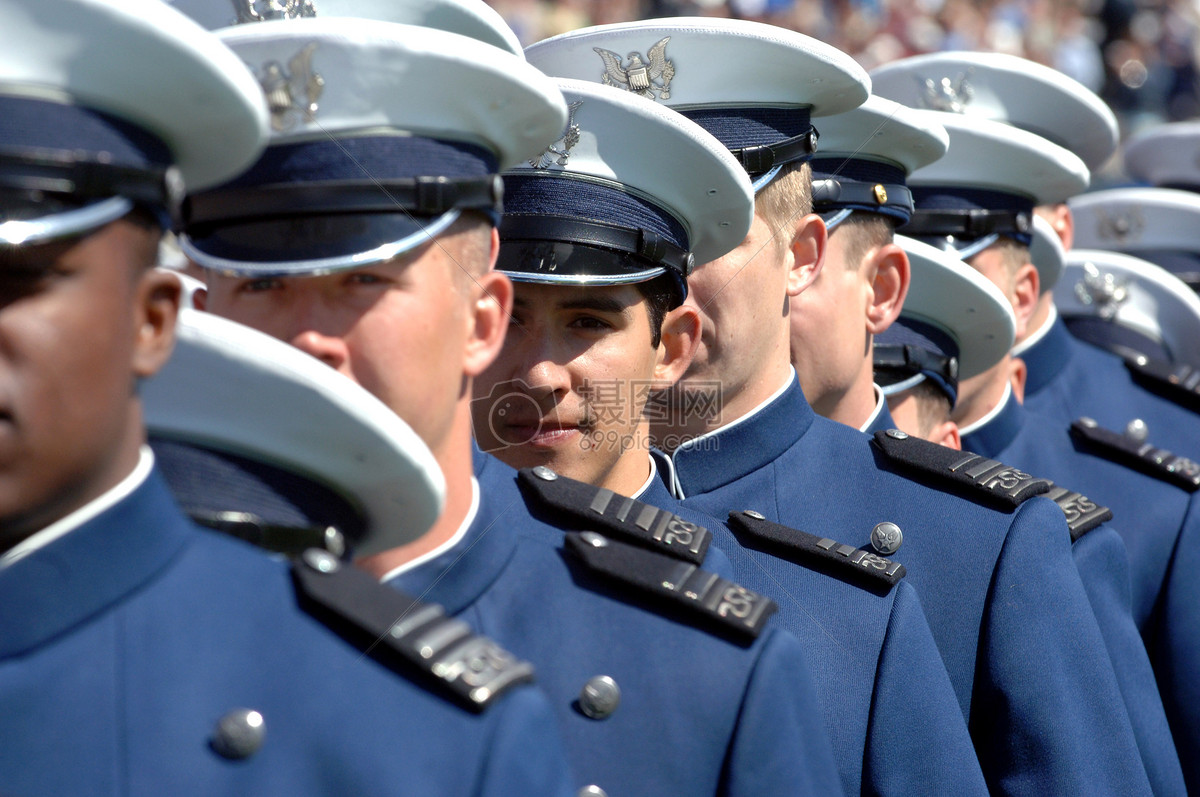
(1139,55)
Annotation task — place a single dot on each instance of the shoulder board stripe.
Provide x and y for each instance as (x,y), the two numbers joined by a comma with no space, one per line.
(577,504)
(718,604)
(1082,513)
(1177,383)
(999,483)
(473,669)
(1143,457)
(843,562)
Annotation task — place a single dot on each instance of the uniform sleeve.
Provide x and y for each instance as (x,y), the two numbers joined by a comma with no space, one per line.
(1173,639)
(780,745)
(527,756)
(917,742)
(1104,569)
(1042,715)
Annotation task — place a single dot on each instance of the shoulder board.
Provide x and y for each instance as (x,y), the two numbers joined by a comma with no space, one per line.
(843,562)
(1143,457)
(1177,383)
(471,668)
(720,605)
(1001,485)
(1082,513)
(578,504)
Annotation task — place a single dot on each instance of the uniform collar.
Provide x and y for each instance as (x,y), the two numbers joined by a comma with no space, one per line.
(880,419)
(651,480)
(78,575)
(456,574)
(1047,356)
(448,545)
(744,446)
(1041,332)
(996,431)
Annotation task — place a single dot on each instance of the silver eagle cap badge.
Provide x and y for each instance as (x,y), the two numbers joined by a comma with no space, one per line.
(1123,225)
(283,90)
(948,95)
(1104,290)
(560,151)
(265,10)
(640,77)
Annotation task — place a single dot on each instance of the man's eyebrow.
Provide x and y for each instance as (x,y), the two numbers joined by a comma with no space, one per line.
(598,302)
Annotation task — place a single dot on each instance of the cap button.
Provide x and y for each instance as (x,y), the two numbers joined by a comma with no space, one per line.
(1137,430)
(544,473)
(593,539)
(321,561)
(239,734)
(880,194)
(599,697)
(896,434)
(886,538)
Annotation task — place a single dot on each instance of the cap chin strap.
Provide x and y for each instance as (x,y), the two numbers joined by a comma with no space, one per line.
(66,224)
(318,266)
(654,248)
(902,385)
(837,218)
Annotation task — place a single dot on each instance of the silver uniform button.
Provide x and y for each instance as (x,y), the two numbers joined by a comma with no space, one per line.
(599,697)
(1137,430)
(239,734)
(544,473)
(593,539)
(896,434)
(592,791)
(886,538)
(321,561)
(753,514)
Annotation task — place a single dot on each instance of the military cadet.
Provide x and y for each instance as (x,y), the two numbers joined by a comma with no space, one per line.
(954,325)
(1065,378)
(139,653)
(997,602)
(365,237)
(945,299)
(599,322)
(858,189)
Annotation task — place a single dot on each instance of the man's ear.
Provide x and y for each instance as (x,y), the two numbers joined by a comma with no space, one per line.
(1061,219)
(1026,291)
(807,249)
(1016,377)
(677,346)
(157,299)
(890,276)
(946,434)
(489,313)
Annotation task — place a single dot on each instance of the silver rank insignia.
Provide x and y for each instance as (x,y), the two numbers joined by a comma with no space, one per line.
(640,77)
(282,89)
(1124,225)
(264,10)
(948,95)
(560,151)
(1104,290)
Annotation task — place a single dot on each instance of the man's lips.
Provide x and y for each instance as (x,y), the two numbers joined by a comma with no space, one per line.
(543,433)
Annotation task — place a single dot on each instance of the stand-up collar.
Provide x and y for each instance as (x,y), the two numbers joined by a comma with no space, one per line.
(995,433)
(458,574)
(753,441)
(80,574)
(881,418)
(1047,357)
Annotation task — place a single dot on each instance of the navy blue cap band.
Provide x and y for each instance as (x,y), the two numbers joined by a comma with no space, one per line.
(760,138)
(1119,339)
(910,347)
(585,200)
(968,214)
(43,126)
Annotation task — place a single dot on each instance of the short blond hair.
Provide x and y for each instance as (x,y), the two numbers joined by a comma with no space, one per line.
(863,232)
(785,200)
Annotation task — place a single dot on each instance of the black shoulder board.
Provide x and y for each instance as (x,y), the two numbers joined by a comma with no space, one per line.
(1157,462)
(472,668)
(721,605)
(1081,512)
(843,562)
(585,506)
(1002,485)
(1178,383)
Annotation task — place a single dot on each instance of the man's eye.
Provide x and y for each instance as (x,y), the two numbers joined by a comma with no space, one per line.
(590,323)
(261,285)
(358,278)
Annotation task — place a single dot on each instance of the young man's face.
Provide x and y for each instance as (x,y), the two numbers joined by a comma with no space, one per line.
(399,328)
(75,335)
(569,387)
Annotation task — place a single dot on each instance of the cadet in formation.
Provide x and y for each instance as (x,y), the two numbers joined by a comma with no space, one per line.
(998,601)
(139,653)
(600,325)
(370,221)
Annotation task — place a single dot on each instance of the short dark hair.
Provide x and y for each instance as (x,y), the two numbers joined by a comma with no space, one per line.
(933,405)
(662,296)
